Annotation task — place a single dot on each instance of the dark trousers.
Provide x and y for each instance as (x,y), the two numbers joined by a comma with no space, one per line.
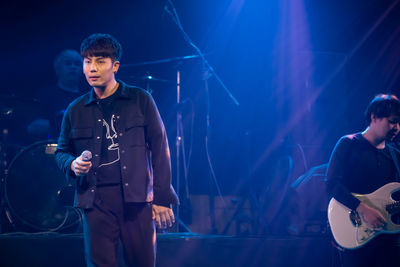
(382,251)
(111,221)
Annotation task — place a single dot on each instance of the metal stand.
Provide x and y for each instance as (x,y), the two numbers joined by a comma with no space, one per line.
(180,148)
(211,195)
(5,215)
(208,71)
(247,195)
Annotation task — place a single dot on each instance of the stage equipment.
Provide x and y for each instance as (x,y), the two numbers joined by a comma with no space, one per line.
(170,9)
(150,78)
(37,194)
(180,148)
(247,205)
(310,201)
(208,71)
(165,60)
(16,113)
(11,109)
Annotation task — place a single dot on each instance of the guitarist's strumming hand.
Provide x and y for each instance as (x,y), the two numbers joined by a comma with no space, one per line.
(371,216)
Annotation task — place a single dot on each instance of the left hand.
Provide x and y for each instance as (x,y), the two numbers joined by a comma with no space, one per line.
(163,216)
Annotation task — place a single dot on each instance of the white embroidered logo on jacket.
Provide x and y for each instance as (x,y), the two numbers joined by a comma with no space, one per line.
(111,135)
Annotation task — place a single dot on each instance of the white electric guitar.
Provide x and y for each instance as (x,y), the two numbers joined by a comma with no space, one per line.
(349,229)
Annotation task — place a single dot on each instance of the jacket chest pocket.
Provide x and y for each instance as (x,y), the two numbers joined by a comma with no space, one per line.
(82,139)
(135,132)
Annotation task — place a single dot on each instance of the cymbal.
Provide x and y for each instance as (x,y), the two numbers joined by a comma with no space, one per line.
(12,104)
(16,113)
(166,60)
(150,78)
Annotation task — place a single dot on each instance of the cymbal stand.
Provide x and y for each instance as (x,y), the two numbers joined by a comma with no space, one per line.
(4,211)
(180,147)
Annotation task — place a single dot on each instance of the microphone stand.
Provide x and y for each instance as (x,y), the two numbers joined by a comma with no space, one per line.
(176,20)
(208,71)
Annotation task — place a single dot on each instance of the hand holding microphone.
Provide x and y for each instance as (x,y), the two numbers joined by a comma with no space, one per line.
(82,164)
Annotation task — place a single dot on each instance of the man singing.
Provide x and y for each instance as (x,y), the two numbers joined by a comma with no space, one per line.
(127,182)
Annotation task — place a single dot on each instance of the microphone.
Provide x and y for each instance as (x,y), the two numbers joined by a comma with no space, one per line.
(86,155)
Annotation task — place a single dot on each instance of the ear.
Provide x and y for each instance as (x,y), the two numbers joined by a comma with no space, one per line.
(373,117)
(115,66)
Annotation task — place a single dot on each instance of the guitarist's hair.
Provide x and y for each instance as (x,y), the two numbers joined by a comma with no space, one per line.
(382,106)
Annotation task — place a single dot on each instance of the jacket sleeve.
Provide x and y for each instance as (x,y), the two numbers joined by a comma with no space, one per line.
(156,137)
(64,154)
(338,171)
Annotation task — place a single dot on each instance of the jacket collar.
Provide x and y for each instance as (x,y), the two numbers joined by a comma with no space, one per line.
(91,96)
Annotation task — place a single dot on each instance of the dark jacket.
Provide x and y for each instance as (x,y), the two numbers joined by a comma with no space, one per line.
(145,158)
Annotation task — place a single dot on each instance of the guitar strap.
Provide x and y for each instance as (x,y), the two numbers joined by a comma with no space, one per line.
(396,163)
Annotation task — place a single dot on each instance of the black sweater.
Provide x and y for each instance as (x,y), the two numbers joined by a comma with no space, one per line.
(356,166)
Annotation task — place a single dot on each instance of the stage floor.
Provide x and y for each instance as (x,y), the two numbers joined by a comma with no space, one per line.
(175,249)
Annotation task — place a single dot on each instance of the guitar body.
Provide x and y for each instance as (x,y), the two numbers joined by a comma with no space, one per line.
(349,229)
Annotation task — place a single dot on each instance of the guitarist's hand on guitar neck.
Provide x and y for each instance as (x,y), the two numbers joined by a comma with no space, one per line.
(371,216)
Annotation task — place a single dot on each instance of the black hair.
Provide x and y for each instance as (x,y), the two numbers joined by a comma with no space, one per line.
(383,106)
(101,45)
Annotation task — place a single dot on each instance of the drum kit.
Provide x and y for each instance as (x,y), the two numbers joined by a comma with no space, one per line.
(35,196)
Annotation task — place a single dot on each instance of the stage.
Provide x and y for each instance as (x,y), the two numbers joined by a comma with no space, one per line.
(175,249)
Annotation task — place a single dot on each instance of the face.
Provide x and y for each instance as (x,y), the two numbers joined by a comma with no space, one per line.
(387,127)
(100,71)
(69,67)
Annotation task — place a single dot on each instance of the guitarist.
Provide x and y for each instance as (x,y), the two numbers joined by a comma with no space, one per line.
(361,163)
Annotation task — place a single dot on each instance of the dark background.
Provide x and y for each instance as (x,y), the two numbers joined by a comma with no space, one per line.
(302,71)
